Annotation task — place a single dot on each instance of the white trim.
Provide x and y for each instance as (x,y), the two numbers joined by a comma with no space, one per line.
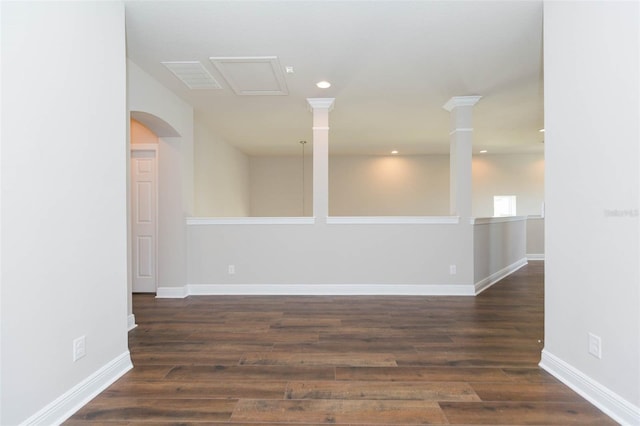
(323,103)
(535,256)
(393,220)
(320,128)
(612,404)
(171,293)
(487,282)
(331,289)
(71,401)
(461,129)
(131,322)
(490,220)
(334,220)
(144,147)
(458,101)
(251,220)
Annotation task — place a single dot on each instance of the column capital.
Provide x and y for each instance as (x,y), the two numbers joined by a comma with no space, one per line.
(320,103)
(458,101)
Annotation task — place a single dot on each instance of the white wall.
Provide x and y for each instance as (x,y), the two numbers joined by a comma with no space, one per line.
(592,122)
(221,176)
(396,186)
(64,247)
(276,186)
(389,186)
(175,170)
(521,175)
(535,238)
(1,221)
(145,94)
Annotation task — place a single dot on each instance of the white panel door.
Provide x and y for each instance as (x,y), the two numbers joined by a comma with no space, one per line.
(144,219)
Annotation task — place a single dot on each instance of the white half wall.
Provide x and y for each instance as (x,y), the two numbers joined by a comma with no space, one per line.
(64,222)
(592,122)
(321,258)
(499,249)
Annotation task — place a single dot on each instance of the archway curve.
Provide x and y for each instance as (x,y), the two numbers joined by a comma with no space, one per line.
(157,125)
(161,129)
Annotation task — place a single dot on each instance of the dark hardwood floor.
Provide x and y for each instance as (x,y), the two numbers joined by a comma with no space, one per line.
(342,360)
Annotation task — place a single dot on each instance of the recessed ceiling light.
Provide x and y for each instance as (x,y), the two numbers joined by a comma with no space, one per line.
(541,130)
(289,70)
(484,151)
(323,84)
(394,152)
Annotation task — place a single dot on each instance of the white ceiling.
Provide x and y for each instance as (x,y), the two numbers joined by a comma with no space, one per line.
(392,65)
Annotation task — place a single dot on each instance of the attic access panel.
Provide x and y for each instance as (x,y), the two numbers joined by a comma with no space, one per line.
(252,75)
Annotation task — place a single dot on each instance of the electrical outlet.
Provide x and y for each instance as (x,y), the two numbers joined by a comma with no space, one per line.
(595,345)
(232,269)
(79,348)
(453,269)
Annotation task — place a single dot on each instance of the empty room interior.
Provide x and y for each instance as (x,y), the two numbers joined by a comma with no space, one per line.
(320,212)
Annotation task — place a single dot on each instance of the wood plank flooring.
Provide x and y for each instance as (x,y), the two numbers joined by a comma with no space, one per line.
(342,360)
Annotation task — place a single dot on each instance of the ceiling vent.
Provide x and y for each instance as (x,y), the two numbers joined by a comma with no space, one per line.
(252,75)
(193,74)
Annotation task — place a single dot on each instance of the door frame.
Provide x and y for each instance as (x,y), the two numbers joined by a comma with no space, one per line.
(153,148)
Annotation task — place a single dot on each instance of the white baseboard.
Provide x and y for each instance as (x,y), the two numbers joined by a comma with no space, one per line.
(535,256)
(171,292)
(71,401)
(612,404)
(317,290)
(131,322)
(487,282)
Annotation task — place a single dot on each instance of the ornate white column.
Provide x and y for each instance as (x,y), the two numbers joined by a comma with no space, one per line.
(321,108)
(460,153)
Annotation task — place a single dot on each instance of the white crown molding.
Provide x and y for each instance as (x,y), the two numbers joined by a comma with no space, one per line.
(321,103)
(612,404)
(393,220)
(251,220)
(487,282)
(330,290)
(75,398)
(460,101)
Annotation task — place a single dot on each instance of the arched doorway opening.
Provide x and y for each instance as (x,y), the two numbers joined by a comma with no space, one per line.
(144,233)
